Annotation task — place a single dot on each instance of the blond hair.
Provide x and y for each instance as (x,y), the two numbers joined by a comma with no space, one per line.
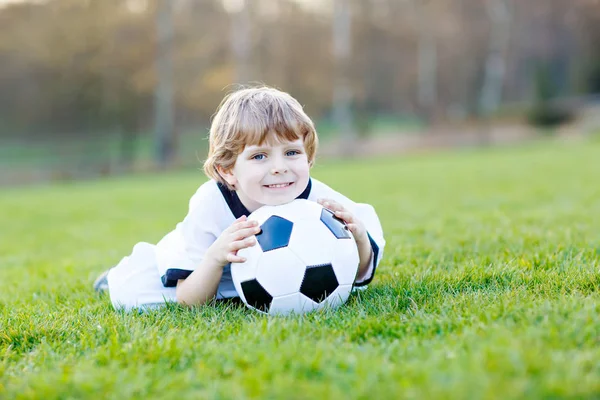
(253,116)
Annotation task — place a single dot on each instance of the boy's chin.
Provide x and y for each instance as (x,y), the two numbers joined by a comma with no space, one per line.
(278,202)
(277,197)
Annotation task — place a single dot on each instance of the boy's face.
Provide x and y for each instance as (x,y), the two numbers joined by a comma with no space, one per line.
(271,174)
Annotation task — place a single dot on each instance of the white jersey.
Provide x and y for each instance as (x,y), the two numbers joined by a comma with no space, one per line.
(149,275)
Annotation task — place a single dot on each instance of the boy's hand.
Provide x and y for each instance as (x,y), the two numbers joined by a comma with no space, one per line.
(358,230)
(239,235)
(354,224)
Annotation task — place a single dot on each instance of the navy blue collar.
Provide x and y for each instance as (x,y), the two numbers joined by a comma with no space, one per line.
(236,206)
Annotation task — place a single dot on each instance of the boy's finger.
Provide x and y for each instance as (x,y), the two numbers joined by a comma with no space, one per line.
(236,224)
(242,244)
(235,259)
(333,206)
(246,232)
(325,202)
(353,228)
(242,224)
(346,216)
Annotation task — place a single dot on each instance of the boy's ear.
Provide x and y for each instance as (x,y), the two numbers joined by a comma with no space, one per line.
(227,175)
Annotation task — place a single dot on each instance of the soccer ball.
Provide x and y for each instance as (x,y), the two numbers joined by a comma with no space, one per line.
(305,259)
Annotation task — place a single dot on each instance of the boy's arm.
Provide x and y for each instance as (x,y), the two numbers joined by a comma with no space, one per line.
(201,285)
(183,249)
(375,239)
(364,224)
(365,254)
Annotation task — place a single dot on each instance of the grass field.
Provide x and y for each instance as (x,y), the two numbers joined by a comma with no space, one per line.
(489,288)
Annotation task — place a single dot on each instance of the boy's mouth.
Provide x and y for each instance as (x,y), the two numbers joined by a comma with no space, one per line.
(279,185)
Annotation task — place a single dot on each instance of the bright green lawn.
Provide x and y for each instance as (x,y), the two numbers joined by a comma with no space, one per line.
(488,288)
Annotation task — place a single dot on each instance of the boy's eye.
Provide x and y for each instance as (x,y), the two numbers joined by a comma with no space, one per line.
(292,153)
(258,157)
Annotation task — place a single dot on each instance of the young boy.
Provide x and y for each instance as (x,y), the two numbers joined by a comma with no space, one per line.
(262,146)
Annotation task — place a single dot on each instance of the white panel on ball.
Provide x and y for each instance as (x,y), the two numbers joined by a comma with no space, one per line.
(301,209)
(294,211)
(291,303)
(262,214)
(338,297)
(313,243)
(306,304)
(241,272)
(280,272)
(345,261)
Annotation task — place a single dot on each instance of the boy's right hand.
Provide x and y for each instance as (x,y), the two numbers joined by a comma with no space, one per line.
(239,235)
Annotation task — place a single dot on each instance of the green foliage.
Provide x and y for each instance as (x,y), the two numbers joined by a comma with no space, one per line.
(592,81)
(371,125)
(548,116)
(546,113)
(489,288)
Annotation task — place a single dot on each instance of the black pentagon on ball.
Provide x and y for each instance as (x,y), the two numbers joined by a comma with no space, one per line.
(275,233)
(256,296)
(335,225)
(319,282)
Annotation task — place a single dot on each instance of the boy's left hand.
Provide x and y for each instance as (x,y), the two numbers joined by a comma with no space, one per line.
(358,230)
(354,224)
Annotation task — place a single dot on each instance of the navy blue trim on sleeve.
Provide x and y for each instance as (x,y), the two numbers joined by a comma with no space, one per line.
(375,254)
(170,278)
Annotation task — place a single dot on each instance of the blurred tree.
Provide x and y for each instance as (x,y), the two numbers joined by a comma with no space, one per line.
(90,71)
(499,13)
(427,59)
(164,103)
(241,41)
(342,89)
(545,112)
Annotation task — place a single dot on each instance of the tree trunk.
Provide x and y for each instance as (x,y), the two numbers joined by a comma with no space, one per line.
(240,43)
(342,91)
(164,108)
(495,66)
(427,63)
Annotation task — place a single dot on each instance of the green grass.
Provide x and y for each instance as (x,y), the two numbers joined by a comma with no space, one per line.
(488,289)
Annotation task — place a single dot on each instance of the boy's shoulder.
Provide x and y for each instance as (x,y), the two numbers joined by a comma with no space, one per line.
(320,189)
(208,196)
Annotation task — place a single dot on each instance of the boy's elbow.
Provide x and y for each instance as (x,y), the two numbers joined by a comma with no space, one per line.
(180,294)
(188,298)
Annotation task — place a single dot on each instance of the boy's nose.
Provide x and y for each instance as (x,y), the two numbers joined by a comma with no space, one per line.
(279,170)
(279,167)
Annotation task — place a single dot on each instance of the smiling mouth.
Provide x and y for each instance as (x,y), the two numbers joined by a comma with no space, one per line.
(279,185)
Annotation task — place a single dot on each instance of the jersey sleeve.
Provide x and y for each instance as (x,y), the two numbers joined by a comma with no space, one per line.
(366,213)
(182,250)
